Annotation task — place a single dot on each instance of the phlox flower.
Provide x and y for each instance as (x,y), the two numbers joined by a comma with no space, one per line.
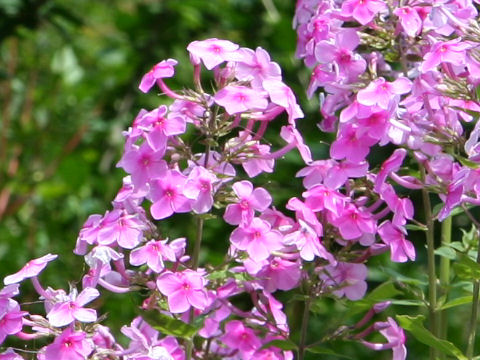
(9,354)
(241,338)
(31,269)
(347,279)
(257,239)
(65,312)
(249,200)
(213,52)
(163,69)
(392,164)
(11,319)
(199,187)
(237,99)
(275,274)
(400,248)
(382,93)
(353,223)
(70,345)
(167,195)
(362,10)
(183,290)
(352,144)
(280,94)
(153,253)
(409,20)
(123,229)
(453,52)
(256,66)
(395,339)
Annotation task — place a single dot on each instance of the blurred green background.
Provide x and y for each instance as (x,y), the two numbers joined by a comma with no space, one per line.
(69,73)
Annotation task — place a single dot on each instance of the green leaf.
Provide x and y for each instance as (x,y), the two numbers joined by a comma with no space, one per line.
(466,162)
(457,245)
(383,292)
(169,325)
(325,351)
(414,325)
(467,269)
(446,252)
(408,302)
(281,344)
(457,302)
(416,227)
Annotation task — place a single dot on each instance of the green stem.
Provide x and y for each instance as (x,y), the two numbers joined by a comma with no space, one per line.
(474,314)
(445,274)
(303,330)
(432,277)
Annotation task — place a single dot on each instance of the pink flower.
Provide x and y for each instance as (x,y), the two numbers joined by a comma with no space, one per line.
(395,339)
(249,200)
(153,253)
(382,93)
(392,164)
(351,144)
(257,239)
(213,51)
(409,20)
(353,223)
(400,248)
(348,278)
(123,229)
(143,163)
(256,67)
(199,187)
(69,345)
(163,69)
(9,354)
(280,274)
(65,312)
(238,99)
(11,318)
(238,337)
(183,289)
(167,195)
(363,10)
(452,52)
(280,94)
(31,269)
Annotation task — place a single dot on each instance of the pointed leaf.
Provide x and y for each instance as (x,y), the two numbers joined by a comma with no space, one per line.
(169,325)
(281,344)
(414,325)
(457,302)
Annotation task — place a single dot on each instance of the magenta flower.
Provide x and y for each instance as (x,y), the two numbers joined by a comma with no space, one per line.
(409,20)
(183,290)
(453,52)
(65,312)
(321,197)
(279,274)
(354,223)
(350,65)
(153,253)
(31,269)
(9,354)
(69,345)
(238,337)
(11,318)
(400,248)
(238,99)
(213,51)
(382,93)
(159,127)
(249,200)
(167,195)
(122,229)
(199,187)
(163,69)
(257,239)
(363,10)
(395,339)
(143,163)
(392,164)
(351,144)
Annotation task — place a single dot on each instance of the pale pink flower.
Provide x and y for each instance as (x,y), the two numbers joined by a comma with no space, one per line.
(241,338)
(65,312)
(153,253)
(255,66)
(453,52)
(213,51)
(249,200)
(347,279)
(280,94)
(363,10)
(31,269)
(237,99)
(257,239)
(11,318)
(199,187)
(409,20)
(9,354)
(163,69)
(395,339)
(183,290)
(382,93)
